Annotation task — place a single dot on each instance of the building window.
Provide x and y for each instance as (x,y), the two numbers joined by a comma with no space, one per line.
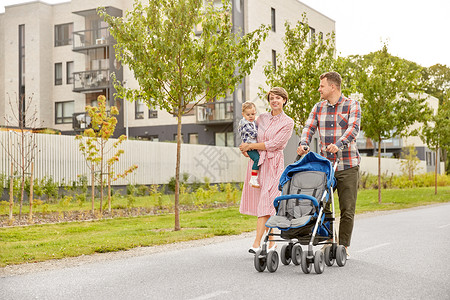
(58,73)
(63,34)
(273,19)
(312,32)
(139,110)
(69,72)
(152,114)
(64,112)
(274,59)
(193,138)
(224,139)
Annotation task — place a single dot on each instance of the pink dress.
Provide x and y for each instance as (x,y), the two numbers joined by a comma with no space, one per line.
(274,132)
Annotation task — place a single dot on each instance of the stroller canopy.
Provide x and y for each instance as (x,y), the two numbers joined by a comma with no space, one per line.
(310,162)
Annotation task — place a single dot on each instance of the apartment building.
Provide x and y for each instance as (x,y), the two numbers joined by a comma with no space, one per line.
(62,56)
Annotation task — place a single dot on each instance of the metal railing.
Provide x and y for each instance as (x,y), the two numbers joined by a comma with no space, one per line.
(87,80)
(91,38)
(81,121)
(215,112)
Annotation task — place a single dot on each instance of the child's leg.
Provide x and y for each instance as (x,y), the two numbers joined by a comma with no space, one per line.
(254,155)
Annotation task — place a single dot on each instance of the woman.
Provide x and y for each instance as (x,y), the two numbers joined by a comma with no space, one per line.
(274,131)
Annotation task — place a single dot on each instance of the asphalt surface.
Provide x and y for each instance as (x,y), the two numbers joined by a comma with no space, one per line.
(399,255)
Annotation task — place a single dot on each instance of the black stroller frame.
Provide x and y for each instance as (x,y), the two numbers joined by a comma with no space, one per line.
(292,251)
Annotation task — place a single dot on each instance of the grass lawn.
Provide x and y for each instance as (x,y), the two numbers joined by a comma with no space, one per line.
(43,242)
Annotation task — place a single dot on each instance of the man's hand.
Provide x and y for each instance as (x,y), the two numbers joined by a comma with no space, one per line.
(301,150)
(332,148)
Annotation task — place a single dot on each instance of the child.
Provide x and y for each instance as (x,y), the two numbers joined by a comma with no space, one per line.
(248,132)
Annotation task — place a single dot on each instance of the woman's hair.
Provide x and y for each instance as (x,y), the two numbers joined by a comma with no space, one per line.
(279,91)
(247,104)
(332,78)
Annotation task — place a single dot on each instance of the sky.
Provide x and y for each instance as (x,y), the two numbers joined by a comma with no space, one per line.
(416,30)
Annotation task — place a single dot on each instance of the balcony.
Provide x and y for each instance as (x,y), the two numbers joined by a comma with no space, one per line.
(90,80)
(81,121)
(215,112)
(87,39)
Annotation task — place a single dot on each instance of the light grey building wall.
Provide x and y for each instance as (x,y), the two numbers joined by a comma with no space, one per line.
(68,57)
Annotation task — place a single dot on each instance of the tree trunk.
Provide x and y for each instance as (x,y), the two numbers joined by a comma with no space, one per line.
(22,191)
(109,189)
(101,177)
(22,166)
(177,175)
(92,188)
(11,192)
(30,213)
(379,170)
(435,171)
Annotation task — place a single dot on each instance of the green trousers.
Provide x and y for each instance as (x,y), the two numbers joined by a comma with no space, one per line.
(347,189)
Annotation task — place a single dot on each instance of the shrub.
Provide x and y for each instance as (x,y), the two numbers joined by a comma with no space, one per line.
(207,184)
(141,190)
(183,181)
(131,189)
(51,188)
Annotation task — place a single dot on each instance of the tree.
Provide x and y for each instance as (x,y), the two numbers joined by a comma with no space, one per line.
(438,85)
(298,70)
(22,151)
(436,133)
(176,68)
(411,161)
(438,81)
(95,146)
(388,106)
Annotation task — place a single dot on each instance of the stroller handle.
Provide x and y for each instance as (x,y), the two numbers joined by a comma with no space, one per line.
(338,154)
(299,156)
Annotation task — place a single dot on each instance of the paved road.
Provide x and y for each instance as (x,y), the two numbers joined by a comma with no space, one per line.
(401,255)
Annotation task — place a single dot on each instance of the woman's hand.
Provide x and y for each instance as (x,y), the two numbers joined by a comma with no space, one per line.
(244,147)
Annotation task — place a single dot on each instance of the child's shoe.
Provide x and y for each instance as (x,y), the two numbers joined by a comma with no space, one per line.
(254,181)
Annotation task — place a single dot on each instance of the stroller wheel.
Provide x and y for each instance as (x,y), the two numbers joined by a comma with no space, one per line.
(341,256)
(272,261)
(306,265)
(296,254)
(319,264)
(285,254)
(329,260)
(260,261)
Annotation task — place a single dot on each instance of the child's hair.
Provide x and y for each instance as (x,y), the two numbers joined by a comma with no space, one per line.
(247,104)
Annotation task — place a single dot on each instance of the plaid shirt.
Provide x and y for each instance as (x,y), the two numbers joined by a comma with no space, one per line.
(248,131)
(337,124)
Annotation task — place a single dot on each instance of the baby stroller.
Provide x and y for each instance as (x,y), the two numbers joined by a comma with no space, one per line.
(307,186)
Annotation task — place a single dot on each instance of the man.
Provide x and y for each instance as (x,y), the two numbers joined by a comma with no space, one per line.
(337,120)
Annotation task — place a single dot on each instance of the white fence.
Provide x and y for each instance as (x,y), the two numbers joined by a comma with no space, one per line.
(59,157)
(369,164)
